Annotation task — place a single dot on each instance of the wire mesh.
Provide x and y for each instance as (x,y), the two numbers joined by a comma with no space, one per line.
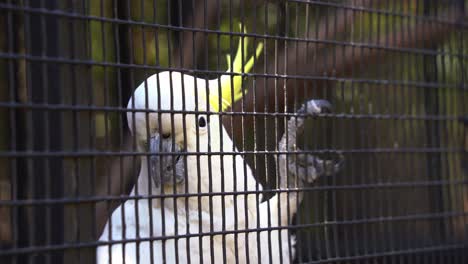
(119,142)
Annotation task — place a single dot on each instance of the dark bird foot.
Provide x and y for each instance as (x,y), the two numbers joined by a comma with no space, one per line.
(315,107)
(304,168)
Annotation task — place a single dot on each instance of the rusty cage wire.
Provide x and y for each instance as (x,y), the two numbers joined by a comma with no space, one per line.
(221,131)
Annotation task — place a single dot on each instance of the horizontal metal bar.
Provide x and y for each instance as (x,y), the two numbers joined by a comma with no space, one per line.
(123,198)
(391,253)
(74,108)
(87,153)
(117,21)
(370,10)
(48,248)
(57,12)
(48,59)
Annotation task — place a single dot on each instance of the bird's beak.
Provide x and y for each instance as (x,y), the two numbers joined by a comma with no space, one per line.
(167,167)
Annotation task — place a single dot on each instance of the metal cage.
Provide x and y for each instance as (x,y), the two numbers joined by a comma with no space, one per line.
(128,136)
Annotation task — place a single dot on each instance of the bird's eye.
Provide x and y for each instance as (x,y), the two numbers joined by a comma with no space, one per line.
(201,121)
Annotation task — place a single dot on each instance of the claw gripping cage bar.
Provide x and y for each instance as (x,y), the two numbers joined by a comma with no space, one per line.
(221,131)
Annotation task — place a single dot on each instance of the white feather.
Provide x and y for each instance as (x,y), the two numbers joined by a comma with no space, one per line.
(242,226)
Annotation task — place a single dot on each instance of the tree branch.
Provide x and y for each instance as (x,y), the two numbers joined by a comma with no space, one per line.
(324,64)
(296,65)
(192,43)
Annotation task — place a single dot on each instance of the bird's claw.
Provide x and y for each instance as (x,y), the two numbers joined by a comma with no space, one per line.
(310,167)
(318,106)
(306,167)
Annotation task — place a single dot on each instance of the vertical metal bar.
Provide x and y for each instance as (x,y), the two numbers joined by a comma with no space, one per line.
(173,133)
(29,179)
(446,105)
(75,122)
(341,138)
(187,181)
(198,156)
(255,143)
(91,144)
(184,126)
(279,30)
(266,132)
(233,149)
(381,229)
(361,138)
(80,140)
(122,79)
(318,231)
(309,57)
(431,106)
(180,8)
(131,60)
(330,131)
(207,92)
(171,20)
(285,10)
(44,52)
(463,109)
(294,182)
(425,258)
(210,174)
(352,167)
(126,56)
(454,193)
(243,135)
(326,198)
(367,167)
(107,145)
(158,93)
(400,134)
(149,189)
(390,27)
(54,124)
(408,127)
(221,135)
(13,114)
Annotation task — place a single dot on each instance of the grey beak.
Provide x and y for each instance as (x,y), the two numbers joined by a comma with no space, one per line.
(167,167)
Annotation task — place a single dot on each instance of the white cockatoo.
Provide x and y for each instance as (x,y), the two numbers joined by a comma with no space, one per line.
(195,200)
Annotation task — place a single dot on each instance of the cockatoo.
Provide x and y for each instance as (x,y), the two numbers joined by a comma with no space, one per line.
(196,199)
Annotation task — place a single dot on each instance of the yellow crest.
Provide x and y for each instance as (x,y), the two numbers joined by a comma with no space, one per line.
(231,84)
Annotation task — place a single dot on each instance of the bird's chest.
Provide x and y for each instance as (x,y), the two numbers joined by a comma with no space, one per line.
(200,215)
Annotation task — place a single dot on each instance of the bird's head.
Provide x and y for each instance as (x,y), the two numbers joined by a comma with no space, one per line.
(173,114)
